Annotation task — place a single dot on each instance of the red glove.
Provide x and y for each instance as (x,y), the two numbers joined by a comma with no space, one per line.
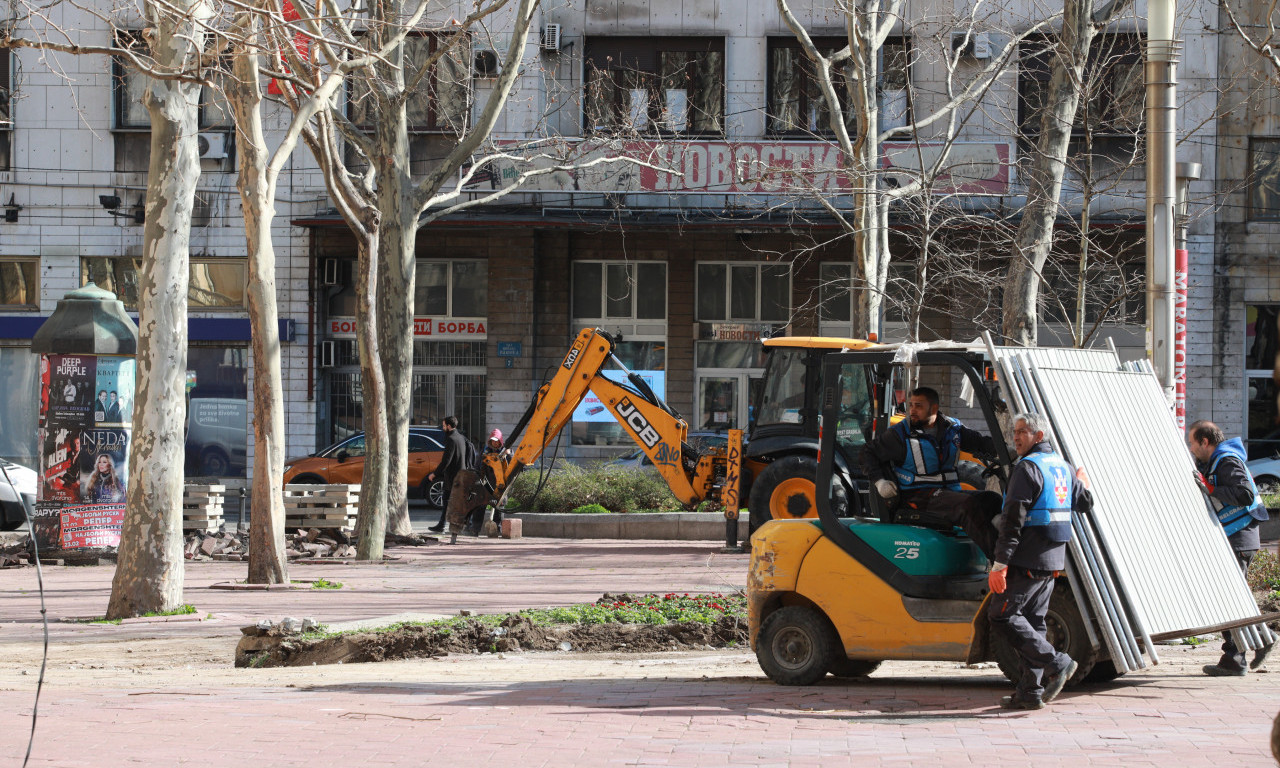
(997,580)
(1204,483)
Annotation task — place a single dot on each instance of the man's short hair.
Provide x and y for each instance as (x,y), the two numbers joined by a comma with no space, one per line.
(1034,421)
(1206,430)
(451,422)
(928,393)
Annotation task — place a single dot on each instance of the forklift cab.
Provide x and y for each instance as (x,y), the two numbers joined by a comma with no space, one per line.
(862,393)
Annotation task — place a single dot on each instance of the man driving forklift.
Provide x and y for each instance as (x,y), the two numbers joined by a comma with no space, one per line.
(913,463)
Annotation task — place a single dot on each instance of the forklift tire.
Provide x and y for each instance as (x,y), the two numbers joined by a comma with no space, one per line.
(1103,672)
(844,667)
(785,491)
(796,645)
(1066,632)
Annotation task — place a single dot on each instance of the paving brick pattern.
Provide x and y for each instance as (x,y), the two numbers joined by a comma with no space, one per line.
(656,710)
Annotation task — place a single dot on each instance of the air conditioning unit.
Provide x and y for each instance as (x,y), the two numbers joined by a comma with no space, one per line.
(328,353)
(551,37)
(213,146)
(329,272)
(976,45)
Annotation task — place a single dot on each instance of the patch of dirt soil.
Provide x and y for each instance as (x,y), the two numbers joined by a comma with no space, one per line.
(515,633)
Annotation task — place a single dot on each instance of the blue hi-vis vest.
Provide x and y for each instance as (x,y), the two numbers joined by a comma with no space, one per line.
(927,464)
(1233,518)
(1052,507)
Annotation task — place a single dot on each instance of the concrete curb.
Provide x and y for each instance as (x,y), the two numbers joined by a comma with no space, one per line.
(678,526)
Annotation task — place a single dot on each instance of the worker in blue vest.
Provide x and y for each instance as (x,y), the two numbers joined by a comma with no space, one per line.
(913,463)
(1029,554)
(1225,479)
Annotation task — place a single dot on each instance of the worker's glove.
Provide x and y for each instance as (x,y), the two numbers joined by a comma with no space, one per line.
(1204,484)
(997,578)
(1083,477)
(886,489)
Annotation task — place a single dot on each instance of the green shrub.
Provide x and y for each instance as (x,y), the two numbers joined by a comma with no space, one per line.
(590,509)
(1264,572)
(616,489)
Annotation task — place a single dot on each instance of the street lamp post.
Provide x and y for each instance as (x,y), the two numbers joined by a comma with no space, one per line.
(1162,86)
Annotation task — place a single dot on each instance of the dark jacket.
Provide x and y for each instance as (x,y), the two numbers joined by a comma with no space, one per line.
(455,454)
(1233,486)
(1026,546)
(888,449)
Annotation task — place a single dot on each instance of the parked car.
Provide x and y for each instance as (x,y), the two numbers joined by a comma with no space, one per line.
(17,495)
(1266,474)
(700,440)
(343,462)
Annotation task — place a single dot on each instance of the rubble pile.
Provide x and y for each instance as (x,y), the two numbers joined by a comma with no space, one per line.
(17,553)
(311,543)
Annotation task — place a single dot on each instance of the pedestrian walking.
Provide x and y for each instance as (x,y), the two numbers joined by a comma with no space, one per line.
(451,463)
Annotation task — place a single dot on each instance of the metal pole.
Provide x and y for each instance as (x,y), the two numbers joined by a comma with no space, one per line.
(1161,82)
(1181,280)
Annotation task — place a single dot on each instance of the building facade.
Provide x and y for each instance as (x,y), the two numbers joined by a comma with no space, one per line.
(707,230)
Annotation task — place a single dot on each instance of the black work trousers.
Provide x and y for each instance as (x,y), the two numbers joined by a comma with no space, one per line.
(971,511)
(444,501)
(1233,656)
(1018,615)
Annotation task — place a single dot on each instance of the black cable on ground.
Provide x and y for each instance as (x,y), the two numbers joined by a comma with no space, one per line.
(44,615)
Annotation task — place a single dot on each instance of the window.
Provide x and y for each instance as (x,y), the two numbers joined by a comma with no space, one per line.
(744,292)
(796,104)
(439,98)
(213,283)
(1262,340)
(1114,92)
(655,85)
(217,411)
(1115,293)
(1264,179)
(18,286)
(451,289)
(619,290)
(19,380)
(593,424)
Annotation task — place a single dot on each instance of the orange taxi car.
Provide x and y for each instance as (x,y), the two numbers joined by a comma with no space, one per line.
(343,462)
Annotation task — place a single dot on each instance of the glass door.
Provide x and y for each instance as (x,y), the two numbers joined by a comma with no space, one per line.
(724,400)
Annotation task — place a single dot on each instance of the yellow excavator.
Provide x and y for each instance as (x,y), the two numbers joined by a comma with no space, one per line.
(773,466)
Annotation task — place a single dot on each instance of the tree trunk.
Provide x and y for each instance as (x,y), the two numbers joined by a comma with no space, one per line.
(149,572)
(1034,238)
(267,562)
(371,525)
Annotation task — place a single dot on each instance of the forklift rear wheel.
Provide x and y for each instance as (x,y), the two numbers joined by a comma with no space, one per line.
(842,666)
(1065,630)
(785,491)
(796,645)
(1103,672)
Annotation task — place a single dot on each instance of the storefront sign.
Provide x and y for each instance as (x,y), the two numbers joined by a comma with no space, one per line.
(791,167)
(445,328)
(592,410)
(739,331)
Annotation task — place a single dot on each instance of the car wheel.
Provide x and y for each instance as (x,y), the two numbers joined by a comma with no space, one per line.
(12,516)
(214,462)
(785,491)
(796,645)
(1268,485)
(435,494)
(1065,630)
(307,480)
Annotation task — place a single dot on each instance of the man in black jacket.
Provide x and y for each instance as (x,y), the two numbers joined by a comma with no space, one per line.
(1224,477)
(1030,551)
(920,455)
(452,462)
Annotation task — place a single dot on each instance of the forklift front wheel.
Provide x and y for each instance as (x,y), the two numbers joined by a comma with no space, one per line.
(842,666)
(796,645)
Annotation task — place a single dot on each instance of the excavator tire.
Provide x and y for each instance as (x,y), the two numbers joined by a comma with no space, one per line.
(796,645)
(785,491)
(1066,632)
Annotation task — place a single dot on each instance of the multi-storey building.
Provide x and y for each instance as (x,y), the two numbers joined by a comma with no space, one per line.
(718,238)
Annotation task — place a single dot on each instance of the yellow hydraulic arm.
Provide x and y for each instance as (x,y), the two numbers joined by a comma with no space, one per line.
(654,426)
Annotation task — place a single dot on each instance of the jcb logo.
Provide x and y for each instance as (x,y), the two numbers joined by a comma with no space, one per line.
(633,418)
(571,358)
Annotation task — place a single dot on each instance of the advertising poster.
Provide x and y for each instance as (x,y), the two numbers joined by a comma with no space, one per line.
(592,410)
(92,525)
(113,404)
(86,403)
